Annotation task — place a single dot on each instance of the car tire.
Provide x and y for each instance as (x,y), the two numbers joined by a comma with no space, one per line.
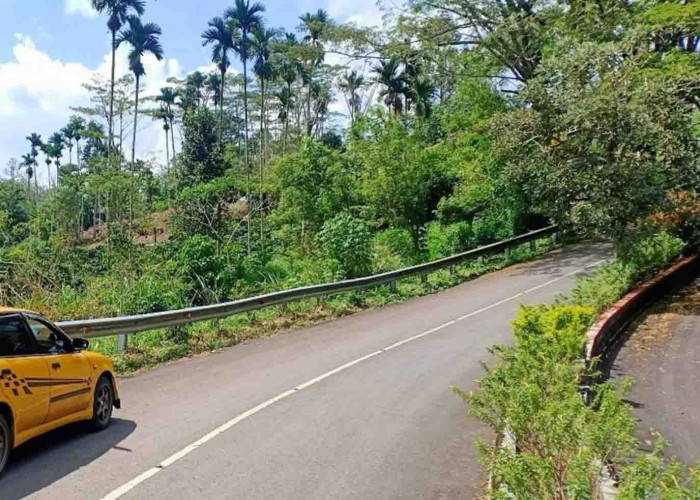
(5,442)
(102,404)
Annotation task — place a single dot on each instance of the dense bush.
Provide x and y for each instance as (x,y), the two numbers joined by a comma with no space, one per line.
(393,249)
(210,272)
(563,444)
(445,240)
(348,241)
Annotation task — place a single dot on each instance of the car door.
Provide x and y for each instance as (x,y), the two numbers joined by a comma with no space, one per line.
(23,374)
(69,370)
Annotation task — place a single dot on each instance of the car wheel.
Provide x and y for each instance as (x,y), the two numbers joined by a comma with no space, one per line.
(102,406)
(5,442)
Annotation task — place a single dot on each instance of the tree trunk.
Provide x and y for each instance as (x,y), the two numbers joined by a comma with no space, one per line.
(172,132)
(167,151)
(136,116)
(262,155)
(247,165)
(286,117)
(221,108)
(111,94)
(308,109)
(133,158)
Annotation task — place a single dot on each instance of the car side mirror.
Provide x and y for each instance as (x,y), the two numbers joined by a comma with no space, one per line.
(80,344)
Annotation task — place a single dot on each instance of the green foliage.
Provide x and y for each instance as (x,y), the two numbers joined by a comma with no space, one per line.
(600,154)
(393,249)
(403,178)
(348,241)
(612,280)
(652,476)
(314,184)
(445,240)
(201,159)
(533,392)
(210,272)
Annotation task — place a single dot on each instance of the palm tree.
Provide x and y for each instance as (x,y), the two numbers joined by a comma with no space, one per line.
(28,162)
(162,114)
(349,84)
(285,97)
(288,71)
(390,76)
(422,91)
(222,39)
(214,88)
(196,82)
(68,136)
(143,39)
(35,143)
(314,25)
(77,125)
(244,17)
(167,96)
(56,141)
(260,45)
(47,149)
(118,12)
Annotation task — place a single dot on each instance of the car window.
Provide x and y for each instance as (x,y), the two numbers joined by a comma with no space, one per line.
(49,340)
(14,338)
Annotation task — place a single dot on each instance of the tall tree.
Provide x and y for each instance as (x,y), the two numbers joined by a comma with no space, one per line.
(244,17)
(68,137)
(167,96)
(261,49)
(56,142)
(28,162)
(314,25)
(143,40)
(118,12)
(288,71)
(35,144)
(77,125)
(390,76)
(48,150)
(222,39)
(350,83)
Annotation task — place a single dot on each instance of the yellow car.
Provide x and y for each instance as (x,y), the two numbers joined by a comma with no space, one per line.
(48,380)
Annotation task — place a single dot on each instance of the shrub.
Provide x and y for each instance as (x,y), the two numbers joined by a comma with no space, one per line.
(348,241)
(534,392)
(445,240)
(210,273)
(393,249)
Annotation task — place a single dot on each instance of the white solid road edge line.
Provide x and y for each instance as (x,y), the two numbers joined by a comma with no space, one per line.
(126,487)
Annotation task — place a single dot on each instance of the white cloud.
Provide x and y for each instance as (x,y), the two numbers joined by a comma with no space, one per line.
(81,7)
(37,91)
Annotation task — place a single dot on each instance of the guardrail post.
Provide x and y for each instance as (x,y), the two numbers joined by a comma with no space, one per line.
(320,300)
(424,278)
(507,253)
(554,239)
(392,286)
(533,246)
(122,342)
(453,271)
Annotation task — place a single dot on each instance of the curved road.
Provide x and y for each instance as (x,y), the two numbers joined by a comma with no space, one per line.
(359,407)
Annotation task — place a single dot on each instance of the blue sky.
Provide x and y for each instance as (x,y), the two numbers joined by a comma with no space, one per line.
(49,47)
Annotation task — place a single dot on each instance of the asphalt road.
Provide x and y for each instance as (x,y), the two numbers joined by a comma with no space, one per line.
(661,353)
(372,415)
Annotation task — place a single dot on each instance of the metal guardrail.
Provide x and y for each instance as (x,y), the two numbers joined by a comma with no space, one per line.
(123,325)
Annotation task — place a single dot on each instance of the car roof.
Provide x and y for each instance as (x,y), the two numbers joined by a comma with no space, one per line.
(12,310)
